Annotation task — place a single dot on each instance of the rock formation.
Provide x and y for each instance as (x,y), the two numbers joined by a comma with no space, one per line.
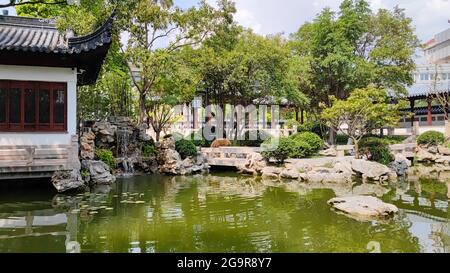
(363,208)
(65,181)
(170,162)
(87,145)
(99,172)
(321,170)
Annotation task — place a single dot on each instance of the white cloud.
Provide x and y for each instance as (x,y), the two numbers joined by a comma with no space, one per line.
(276,16)
(247,19)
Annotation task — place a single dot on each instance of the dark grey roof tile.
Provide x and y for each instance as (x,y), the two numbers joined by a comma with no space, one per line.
(41,35)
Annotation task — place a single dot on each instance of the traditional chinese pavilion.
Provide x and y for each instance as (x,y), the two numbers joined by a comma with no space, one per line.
(40,69)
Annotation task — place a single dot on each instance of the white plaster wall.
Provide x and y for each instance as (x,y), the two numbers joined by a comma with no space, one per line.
(47,74)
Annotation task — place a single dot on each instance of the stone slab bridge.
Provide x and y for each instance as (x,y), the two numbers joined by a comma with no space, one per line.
(228,156)
(236,156)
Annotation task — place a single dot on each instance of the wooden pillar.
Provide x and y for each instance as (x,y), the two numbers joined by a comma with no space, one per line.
(195,117)
(413,114)
(302,116)
(296,114)
(263,115)
(430,112)
(273,121)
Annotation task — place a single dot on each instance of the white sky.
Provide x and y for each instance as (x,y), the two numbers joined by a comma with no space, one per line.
(274,16)
(285,16)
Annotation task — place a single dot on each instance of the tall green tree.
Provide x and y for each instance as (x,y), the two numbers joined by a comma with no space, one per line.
(355,47)
(157,29)
(365,109)
(22,3)
(250,68)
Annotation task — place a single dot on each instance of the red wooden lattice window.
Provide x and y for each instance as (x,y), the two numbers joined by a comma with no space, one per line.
(33,106)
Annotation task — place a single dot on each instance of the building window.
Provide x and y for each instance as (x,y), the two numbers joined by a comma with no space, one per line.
(424,77)
(33,106)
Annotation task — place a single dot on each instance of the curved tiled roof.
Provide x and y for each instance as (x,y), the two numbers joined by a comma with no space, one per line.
(36,42)
(41,35)
(425,89)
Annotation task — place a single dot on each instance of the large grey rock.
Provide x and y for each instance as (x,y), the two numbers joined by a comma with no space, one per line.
(254,164)
(148,165)
(370,170)
(105,132)
(99,172)
(443,160)
(271,172)
(344,166)
(171,163)
(424,155)
(289,174)
(432,149)
(400,165)
(142,132)
(363,207)
(166,144)
(328,177)
(444,150)
(330,152)
(65,181)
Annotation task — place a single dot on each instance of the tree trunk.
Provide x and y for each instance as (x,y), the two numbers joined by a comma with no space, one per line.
(332,137)
(142,108)
(157,135)
(356,144)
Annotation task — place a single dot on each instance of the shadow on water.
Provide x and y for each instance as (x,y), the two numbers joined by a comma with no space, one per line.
(26,190)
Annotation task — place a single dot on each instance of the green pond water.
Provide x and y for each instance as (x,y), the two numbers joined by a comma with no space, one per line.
(221,212)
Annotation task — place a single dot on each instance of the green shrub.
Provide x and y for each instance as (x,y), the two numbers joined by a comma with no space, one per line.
(148,150)
(287,148)
(85,174)
(150,142)
(106,156)
(281,152)
(431,138)
(376,149)
(185,148)
(301,149)
(315,141)
(390,140)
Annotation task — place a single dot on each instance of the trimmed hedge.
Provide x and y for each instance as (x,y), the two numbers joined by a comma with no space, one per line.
(287,148)
(376,149)
(431,138)
(315,141)
(185,148)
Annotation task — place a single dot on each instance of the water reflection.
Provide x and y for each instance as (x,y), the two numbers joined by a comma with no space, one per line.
(223,213)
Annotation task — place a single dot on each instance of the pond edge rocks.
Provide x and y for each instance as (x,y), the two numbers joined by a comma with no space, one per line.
(321,170)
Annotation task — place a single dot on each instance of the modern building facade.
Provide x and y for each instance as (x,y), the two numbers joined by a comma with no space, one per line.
(431,80)
(437,50)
